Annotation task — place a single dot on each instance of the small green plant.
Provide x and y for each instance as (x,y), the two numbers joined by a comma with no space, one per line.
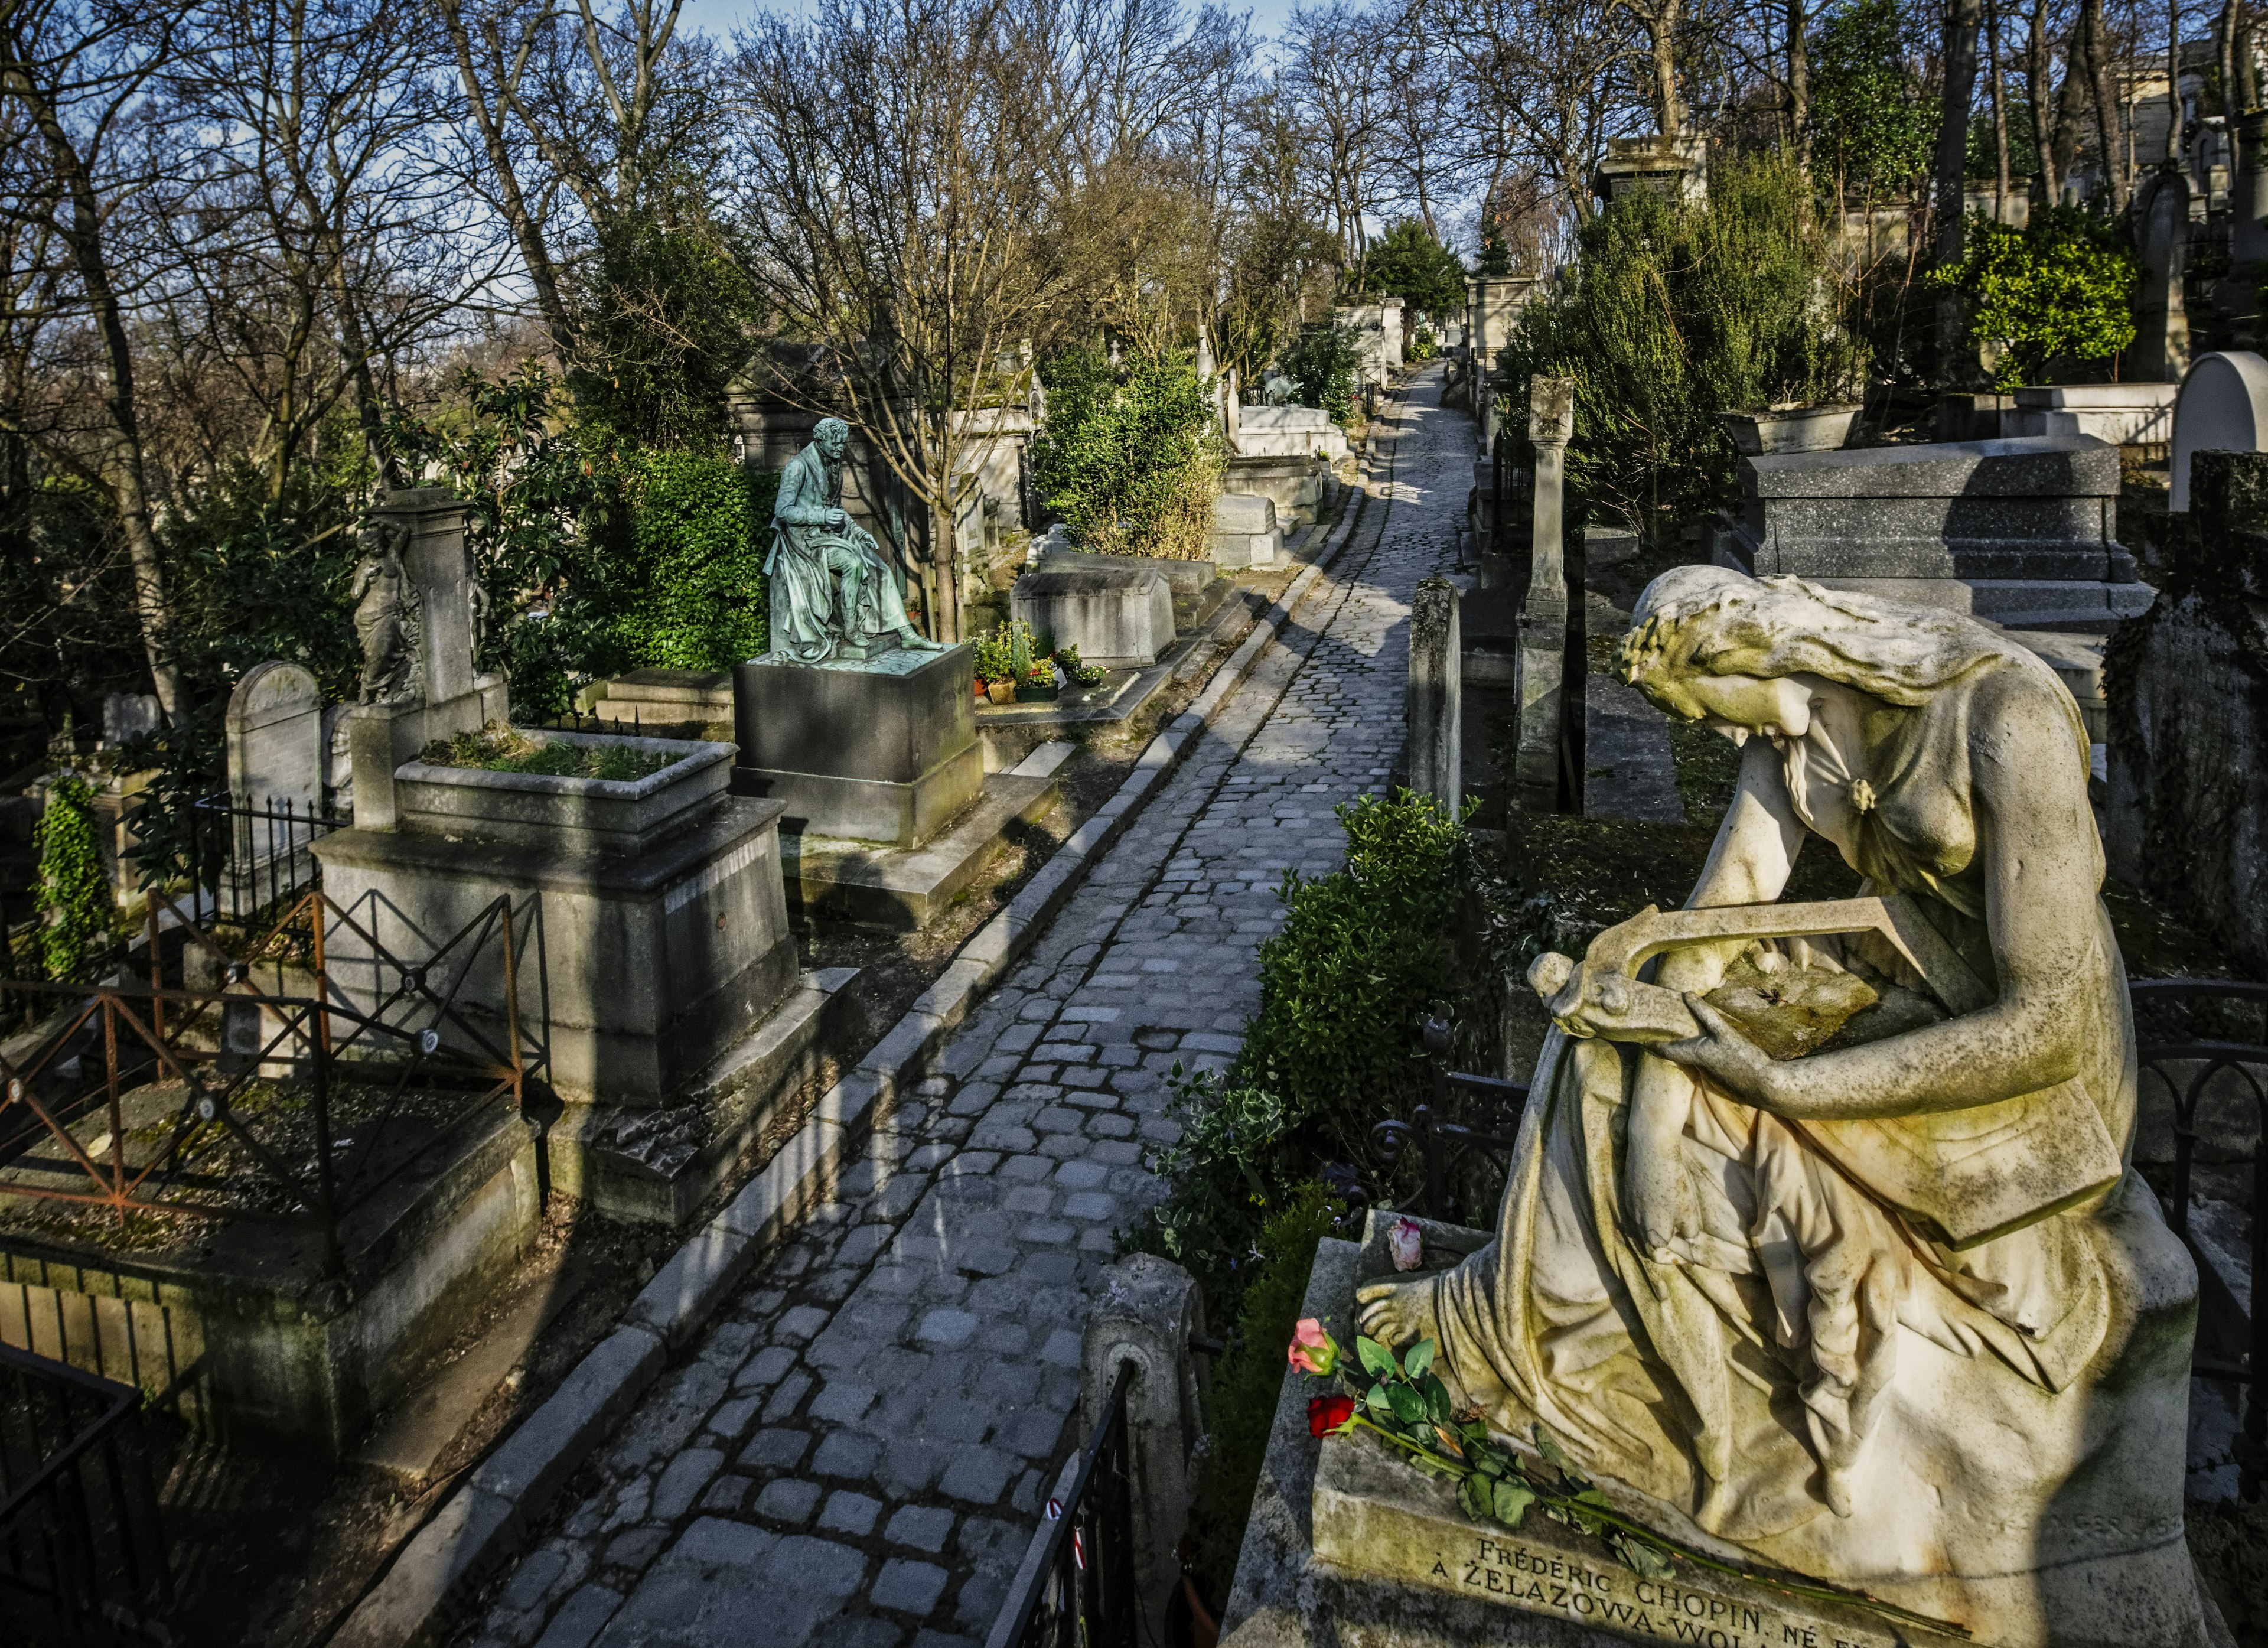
(71,895)
(496,747)
(2060,288)
(1323,361)
(1077,672)
(1006,652)
(1422,346)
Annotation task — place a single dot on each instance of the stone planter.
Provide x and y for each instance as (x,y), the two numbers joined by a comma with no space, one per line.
(1000,691)
(1790,429)
(577,814)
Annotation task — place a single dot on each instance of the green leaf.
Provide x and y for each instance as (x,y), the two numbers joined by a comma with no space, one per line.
(1409,1407)
(1436,1398)
(1473,1497)
(1549,1446)
(1376,1358)
(1642,1557)
(1509,1501)
(1376,1400)
(1418,1359)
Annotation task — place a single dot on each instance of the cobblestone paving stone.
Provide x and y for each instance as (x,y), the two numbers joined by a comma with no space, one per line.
(856,1453)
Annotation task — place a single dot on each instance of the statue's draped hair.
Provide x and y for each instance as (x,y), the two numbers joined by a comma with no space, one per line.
(1713,621)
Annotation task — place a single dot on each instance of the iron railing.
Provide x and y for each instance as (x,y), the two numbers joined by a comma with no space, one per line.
(2187,1067)
(1464,1139)
(1081,1595)
(84,1554)
(403,1031)
(249,854)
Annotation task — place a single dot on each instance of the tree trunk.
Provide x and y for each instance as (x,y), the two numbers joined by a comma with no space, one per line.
(1963,19)
(1661,27)
(2002,183)
(2039,85)
(2095,54)
(121,439)
(1798,79)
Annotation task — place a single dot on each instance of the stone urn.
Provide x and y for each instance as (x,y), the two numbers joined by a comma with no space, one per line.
(1790,429)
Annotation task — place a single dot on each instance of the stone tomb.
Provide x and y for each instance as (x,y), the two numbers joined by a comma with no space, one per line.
(1245,533)
(1288,431)
(1119,617)
(275,736)
(2222,407)
(2023,532)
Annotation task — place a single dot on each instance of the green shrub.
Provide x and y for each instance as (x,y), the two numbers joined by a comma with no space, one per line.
(1672,313)
(698,526)
(1873,116)
(71,895)
(1249,1380)
(1130,456)
(1409,264)
(2061,287)
(1365,954)
(1323,361)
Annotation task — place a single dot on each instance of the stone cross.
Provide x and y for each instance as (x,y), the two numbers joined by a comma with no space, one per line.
(2161,337)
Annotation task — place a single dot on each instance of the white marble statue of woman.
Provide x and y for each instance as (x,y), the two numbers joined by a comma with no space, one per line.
(1704,1280)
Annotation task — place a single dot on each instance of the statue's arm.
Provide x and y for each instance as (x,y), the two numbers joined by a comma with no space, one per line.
(1749,864)
(793,507)
(2041,874)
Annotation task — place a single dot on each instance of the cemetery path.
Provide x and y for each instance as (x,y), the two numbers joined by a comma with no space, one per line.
(855,1454)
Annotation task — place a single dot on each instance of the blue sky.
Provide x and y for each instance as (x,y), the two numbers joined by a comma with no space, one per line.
(717,17)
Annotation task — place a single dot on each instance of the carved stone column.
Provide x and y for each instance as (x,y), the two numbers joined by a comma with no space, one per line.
(1543,614)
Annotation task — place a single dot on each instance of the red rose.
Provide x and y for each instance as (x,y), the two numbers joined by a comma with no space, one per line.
(1327,1414)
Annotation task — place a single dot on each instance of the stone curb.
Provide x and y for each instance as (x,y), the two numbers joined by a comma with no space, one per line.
(484,1523)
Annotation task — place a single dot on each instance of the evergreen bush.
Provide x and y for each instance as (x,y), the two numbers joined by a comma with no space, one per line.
(1872,115)
(72,895)
(2062,287)
(1131,456)
(1409,264)
(1323,361)
(698,527)
(1673,312)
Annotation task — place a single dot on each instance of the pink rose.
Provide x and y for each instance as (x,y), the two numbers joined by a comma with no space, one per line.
(1313,1350)
(1404,1243)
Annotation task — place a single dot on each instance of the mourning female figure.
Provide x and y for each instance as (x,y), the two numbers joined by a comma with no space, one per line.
(1896,1314)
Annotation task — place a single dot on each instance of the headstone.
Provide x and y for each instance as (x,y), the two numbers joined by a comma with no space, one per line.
(2222,407)
(1432,701)
(1244,531)
(2021,531)
(1542,665)
(2138,414)
(1119,617)
(2161,349)
(128,716)
(274,730)
(1654,163)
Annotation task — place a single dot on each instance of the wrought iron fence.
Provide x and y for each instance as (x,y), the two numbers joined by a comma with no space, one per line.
(1081,1593)
(2189,1065)
(249,854)
(1463,1140)
(83,1549)
(205,1153)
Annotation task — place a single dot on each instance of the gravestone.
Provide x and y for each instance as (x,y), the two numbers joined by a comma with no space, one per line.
(1119,617)
(128,716)
(1244,531)
(273,730)
(2022,532)
(2138,414)
(2222,407)
(1542,663)
(1433,699)
(2161,349)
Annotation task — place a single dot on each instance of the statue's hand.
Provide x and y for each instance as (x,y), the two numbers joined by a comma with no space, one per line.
(1732,1063)
(1658,1199)
(835,517)
(1397,1312)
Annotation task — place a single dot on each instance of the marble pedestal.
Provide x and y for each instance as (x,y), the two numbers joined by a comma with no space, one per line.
(880,749)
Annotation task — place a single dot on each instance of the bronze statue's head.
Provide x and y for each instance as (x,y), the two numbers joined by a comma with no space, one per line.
(832,437)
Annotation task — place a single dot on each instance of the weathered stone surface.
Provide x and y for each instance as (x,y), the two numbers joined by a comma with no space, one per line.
(574,816)
(1432,705)
(883,750)
(2222,407)
(1288,431)
(1118,617)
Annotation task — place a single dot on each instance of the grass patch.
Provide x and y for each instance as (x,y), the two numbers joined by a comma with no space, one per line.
(499,748)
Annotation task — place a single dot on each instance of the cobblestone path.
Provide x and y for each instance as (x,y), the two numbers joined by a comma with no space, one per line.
(856,1453)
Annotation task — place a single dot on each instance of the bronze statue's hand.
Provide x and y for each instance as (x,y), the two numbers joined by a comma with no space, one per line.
(835,517)
(1731,1061)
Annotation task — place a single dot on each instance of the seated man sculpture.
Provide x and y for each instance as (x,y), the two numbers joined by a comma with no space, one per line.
(830,587)
(1896,1314)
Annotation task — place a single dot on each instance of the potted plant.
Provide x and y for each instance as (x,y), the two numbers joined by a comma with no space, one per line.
(996,668)
(1791,427)
(1038,684)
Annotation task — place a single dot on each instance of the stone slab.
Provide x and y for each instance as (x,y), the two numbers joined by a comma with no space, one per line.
(574,815)
(905,889)
(1186,579)
(1627,770)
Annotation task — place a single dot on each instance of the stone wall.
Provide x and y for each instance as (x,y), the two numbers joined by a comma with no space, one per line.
(2186,814)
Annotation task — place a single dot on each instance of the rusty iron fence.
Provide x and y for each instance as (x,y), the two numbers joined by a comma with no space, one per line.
(270,1008)
(84,1553)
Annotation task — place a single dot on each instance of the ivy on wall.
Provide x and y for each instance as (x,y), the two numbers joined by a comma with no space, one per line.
(71,895)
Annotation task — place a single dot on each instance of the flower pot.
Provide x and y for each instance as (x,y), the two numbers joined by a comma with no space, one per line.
(1027,693)
(1000,691)
(1790,429)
